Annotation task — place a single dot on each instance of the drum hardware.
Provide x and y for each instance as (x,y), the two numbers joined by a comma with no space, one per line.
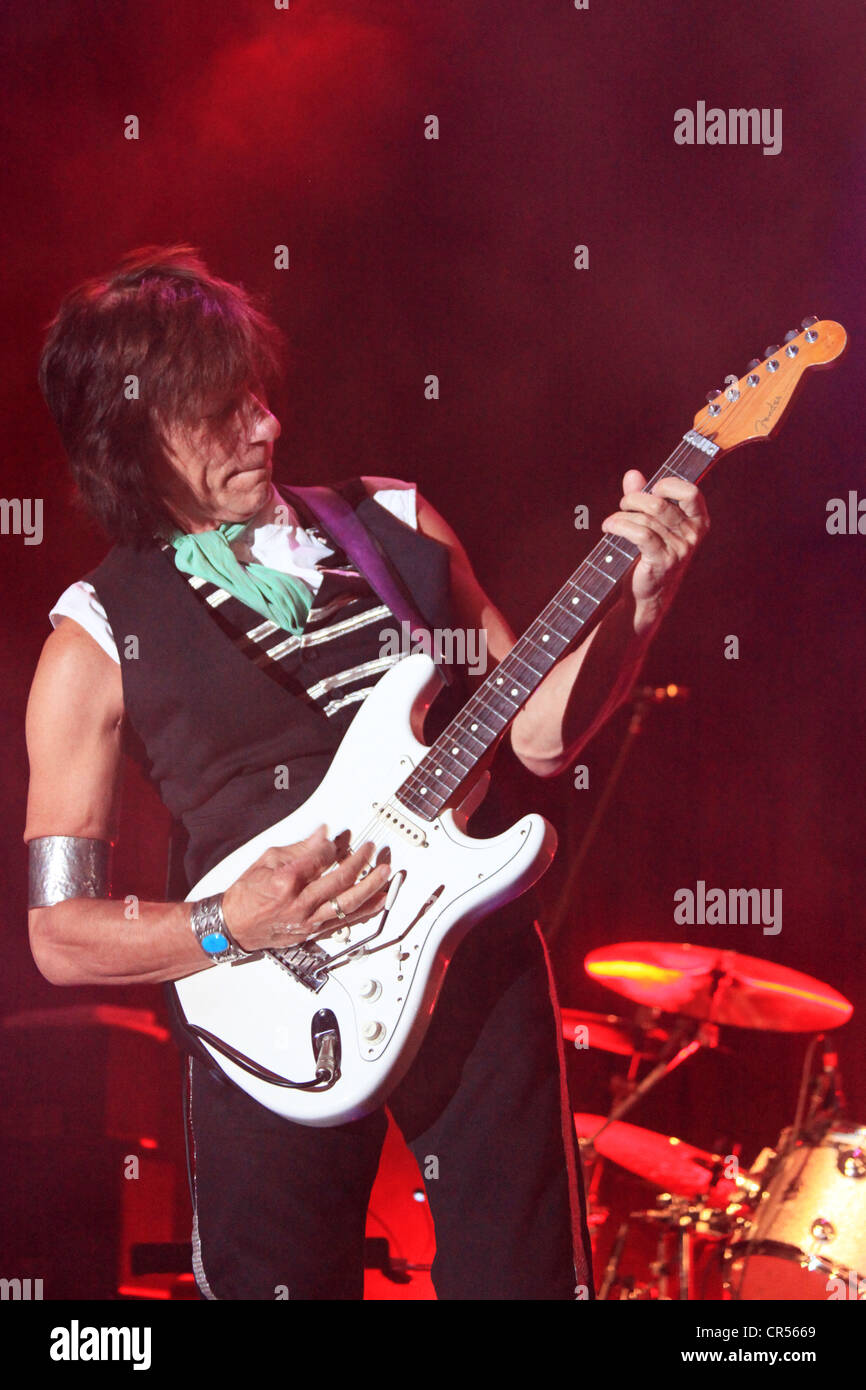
(642,1039)
(826,1098)
(797,1218)
(699,1202)
(680,1223)
(675,1052)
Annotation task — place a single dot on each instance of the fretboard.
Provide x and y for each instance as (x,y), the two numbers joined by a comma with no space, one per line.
(572,612)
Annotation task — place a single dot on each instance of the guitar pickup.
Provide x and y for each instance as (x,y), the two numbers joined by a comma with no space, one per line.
(399,823)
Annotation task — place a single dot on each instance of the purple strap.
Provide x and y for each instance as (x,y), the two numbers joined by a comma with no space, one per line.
(364,550)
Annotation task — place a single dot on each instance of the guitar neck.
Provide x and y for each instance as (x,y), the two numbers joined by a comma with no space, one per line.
(573,611)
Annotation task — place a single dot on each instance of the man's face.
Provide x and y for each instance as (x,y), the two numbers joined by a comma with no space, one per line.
(220,469)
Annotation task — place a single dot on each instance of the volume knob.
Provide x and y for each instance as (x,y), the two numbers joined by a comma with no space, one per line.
(370,989)
(373,1031)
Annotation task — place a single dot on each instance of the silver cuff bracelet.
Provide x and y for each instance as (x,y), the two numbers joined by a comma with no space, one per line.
(68,866)
(210,930)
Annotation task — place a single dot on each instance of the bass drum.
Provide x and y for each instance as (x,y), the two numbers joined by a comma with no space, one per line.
(807,1237)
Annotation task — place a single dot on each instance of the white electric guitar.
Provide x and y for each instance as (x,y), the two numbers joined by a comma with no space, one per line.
(322,1032)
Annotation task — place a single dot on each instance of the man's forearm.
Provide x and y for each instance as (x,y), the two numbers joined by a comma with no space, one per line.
(92,941)
(582,691)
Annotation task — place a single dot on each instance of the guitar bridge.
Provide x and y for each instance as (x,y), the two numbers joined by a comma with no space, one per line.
(308,964)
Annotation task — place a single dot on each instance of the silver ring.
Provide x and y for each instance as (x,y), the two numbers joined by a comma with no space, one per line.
(339,911)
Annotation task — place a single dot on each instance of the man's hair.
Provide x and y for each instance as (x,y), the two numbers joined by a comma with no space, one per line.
(192,343)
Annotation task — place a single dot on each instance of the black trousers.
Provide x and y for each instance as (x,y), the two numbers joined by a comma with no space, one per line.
(280,1208)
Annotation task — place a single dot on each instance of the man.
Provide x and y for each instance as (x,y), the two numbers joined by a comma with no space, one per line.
(225,637)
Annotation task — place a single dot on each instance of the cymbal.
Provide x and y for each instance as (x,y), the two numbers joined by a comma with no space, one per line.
(722,986)
(668,1163)
(612,1034)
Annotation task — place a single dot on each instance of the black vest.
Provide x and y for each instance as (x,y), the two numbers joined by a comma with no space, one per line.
(210,726)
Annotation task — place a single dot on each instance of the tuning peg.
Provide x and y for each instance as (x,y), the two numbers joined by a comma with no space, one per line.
(711,397)
(789,335)
(751,366)
(809,320)
(772,350)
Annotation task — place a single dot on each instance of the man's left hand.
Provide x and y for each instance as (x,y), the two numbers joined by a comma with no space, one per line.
(667,525)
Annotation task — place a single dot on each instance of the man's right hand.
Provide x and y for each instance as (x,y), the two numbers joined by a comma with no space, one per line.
(286,895)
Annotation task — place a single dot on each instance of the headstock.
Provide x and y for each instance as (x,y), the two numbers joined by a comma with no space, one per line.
(753,407)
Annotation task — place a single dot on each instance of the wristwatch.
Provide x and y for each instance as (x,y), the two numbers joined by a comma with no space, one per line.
(210,930)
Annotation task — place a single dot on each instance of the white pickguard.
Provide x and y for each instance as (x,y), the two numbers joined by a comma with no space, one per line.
(446,882)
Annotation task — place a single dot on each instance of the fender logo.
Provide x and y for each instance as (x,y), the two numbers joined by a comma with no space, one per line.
(765,419)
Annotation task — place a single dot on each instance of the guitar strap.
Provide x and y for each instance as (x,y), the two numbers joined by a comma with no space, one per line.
(365,551)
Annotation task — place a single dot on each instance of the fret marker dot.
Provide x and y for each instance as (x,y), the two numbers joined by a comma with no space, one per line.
(514,690)
(498,680)
(473,727)
(574,600)
(545,637)
(438,772)
(607,559)
(455,750)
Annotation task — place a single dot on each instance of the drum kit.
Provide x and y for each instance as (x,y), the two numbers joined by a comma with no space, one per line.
(792,1226)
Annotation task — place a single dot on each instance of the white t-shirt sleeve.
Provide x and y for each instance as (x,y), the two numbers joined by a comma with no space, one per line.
(79,601)
(401,500)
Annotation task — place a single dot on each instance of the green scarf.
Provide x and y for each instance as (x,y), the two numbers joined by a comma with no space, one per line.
(208,554)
